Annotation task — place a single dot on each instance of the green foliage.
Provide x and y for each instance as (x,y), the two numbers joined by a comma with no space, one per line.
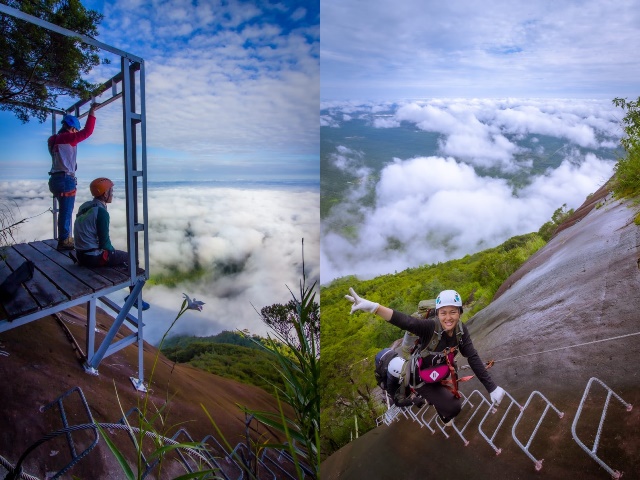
(8,225)
(249,365)
(630,122)
(627,171)
(299,368)
(626,182)
(350,342)
(37,65)
(560,215)
(153,421)
(231,338)
(175,276)
(283,319)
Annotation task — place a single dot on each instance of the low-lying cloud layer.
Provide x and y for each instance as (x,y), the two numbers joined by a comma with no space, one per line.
(247,243)
(435,207)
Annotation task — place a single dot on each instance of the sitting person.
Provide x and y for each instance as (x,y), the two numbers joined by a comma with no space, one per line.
(91,231)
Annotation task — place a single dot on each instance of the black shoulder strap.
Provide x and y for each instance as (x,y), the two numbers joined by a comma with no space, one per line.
(430,347)
(437,335)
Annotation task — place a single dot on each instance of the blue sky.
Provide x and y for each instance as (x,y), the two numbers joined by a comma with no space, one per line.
(232,92)
(389,50)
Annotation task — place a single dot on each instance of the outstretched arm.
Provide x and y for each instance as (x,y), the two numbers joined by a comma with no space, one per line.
(365,305)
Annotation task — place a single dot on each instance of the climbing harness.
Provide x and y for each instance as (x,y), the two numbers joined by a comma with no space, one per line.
(72,193)
(443,372)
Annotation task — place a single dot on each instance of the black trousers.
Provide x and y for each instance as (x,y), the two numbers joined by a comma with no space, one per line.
(446,404)
(106,259)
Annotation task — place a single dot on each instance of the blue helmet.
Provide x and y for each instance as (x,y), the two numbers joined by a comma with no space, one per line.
(71,121)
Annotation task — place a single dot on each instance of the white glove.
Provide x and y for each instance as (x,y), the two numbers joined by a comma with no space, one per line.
(361,303)
(497,395)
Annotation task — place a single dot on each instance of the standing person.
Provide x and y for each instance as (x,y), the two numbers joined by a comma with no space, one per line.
(441,338)
(91,230)
(62,176)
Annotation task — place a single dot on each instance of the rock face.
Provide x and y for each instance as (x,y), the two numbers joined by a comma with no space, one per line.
(570,313)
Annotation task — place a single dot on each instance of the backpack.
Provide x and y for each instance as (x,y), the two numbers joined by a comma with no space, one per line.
(382,363)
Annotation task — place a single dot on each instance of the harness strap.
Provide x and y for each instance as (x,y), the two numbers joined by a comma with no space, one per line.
(452,370)
(72,193)
(452,382)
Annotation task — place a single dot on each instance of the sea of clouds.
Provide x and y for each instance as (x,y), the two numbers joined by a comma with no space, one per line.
(248,241)
(436,207)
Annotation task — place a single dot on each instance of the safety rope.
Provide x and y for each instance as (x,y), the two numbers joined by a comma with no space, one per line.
(562,348)
(9,227)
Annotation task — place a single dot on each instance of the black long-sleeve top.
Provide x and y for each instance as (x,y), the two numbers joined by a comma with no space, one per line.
(424,328)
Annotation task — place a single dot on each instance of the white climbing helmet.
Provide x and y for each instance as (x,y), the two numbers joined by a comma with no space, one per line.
(395,366)
(449,298)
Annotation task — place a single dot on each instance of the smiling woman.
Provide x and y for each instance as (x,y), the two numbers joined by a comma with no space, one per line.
(440,341)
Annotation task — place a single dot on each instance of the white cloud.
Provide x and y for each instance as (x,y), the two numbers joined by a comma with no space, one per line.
(247,240)
(438,210)
(436,207)
(470,49)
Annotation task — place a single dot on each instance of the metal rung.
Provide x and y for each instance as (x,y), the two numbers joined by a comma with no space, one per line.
(420,414)
(75,457)
(525,448)
(249,457)
(425,422)
(142,423)
(592,452)
(439,424)
(225,462)
(187,461)
(495,432)
(467,401)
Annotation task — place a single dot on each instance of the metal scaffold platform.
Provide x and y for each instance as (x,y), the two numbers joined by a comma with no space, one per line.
(57,282)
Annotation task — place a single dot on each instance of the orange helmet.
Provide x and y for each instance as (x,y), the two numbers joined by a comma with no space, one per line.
(100,186)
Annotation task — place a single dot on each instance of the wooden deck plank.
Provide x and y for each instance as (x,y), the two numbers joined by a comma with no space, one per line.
(70,285)
(57,279)
(85,275)
(40,287)
(21,303)
(115,275)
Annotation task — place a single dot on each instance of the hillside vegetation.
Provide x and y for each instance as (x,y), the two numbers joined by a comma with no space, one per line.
(228,355)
